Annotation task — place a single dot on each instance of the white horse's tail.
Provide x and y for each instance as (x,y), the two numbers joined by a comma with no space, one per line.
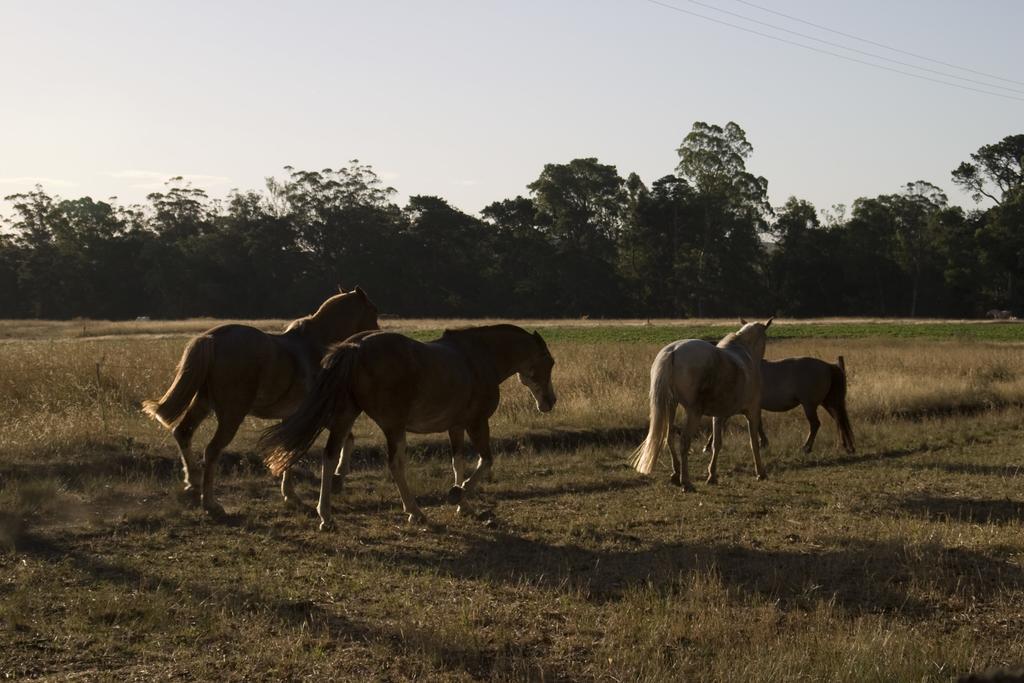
(661,414)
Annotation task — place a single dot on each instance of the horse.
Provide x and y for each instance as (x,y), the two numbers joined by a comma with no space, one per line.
(403,385)
(237,370)
(719,380)
(806,382)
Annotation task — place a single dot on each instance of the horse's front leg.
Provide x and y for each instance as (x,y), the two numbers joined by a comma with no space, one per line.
(457,437)
(717,428)
(753,429)
(480,435)
(397,463)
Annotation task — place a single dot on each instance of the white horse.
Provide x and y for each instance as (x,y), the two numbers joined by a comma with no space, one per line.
(706,379)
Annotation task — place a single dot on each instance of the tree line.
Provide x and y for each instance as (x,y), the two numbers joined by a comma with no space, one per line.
(702,241)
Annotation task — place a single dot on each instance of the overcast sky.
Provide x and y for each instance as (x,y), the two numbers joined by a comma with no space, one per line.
(468,99)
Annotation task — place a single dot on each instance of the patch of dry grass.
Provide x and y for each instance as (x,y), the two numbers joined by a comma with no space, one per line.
(901,562)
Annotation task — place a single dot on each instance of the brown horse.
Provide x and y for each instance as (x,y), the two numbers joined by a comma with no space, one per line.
(706,379)
(237,370)
(806,382)
(449,384)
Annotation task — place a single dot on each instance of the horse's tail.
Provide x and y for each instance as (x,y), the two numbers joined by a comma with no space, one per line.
(188,380)
(835,402)
(287,441)
(661,414)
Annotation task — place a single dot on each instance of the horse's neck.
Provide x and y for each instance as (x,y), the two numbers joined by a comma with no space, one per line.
(312,331)
(745,348)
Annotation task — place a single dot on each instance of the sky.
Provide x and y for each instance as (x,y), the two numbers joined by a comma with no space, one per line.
(468,99)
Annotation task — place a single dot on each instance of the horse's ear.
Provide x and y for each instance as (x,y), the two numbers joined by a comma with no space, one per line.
(768,323)
(359,290)
(742,321)
(341,290)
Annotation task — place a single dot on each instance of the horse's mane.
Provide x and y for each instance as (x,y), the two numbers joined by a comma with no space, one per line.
(737,337)
(728,340)
(297,324)
(475,330)
(470,331)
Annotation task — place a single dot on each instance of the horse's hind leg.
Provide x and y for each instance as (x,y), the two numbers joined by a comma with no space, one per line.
(680,468)
(838,414)
(397,463)
(753,427)
(339,436)
(291,498)
(228,423)
(344,462)
(183,433)
(811,411)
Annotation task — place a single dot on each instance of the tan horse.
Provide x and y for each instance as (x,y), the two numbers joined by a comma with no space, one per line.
(238,370)
(809,383)
(706,379)
(449,384)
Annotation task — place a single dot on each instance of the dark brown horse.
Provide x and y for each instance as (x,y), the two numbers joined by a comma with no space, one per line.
(449,384)
(237,370)
(809,383)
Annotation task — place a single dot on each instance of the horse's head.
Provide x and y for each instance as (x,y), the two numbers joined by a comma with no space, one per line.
(535,373)
(345,314)
(754,336)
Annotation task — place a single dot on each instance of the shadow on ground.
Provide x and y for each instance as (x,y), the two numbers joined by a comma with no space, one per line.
(971,510)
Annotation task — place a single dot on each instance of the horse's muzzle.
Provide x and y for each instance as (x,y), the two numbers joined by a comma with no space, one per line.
(547,402)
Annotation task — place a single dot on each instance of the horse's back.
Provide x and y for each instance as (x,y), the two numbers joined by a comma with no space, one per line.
(789,382)
(706,377)
(256,369)
(417,384)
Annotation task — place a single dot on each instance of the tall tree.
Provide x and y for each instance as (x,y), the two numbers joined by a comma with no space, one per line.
(995,171)
(583,202)
(735,207)
(806,273)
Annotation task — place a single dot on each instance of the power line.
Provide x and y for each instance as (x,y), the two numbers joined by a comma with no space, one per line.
(876,44)
(853,49)
(833,54)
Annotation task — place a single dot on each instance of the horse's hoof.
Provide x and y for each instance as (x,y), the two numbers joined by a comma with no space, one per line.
(215,510)
(417,518)
(326,525)
(455,495)
(674,479)
(191,496)
(807,450)
(688,487)
(762,477)
(300,507)
(712,479)
(294,502)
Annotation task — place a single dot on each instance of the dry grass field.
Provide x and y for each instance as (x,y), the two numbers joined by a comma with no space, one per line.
(904,561)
